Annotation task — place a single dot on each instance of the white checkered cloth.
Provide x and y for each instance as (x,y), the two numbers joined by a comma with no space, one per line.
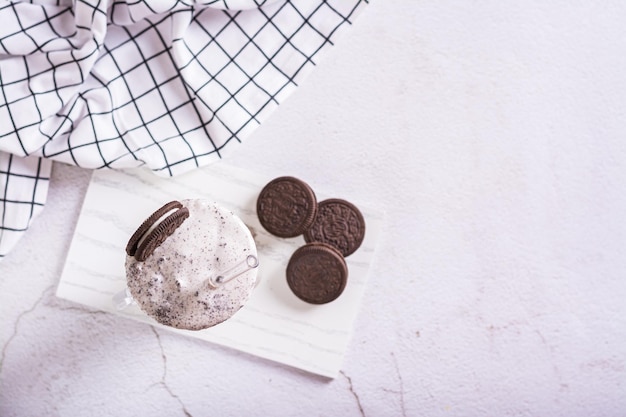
(159,83)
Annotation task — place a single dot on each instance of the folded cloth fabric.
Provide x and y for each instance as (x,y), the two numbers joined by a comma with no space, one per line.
(164,84)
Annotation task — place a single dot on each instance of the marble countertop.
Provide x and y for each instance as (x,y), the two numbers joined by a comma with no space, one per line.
(493,139)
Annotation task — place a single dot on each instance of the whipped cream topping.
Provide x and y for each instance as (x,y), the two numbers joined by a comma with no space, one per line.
(173,285)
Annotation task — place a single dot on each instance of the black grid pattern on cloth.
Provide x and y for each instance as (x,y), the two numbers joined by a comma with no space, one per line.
(25,186)
(160,84)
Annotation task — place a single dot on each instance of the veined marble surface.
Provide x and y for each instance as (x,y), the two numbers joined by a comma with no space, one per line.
(492,135)
(274,324)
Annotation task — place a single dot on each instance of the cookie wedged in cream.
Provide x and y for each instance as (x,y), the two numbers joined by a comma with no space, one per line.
(173,284)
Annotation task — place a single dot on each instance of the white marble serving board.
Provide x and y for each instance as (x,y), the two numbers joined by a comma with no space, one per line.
(274,324)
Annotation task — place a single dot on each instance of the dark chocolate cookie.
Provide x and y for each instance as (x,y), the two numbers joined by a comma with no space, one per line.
(133,242)
(338,223)
(286,207)
(317,273)
(158,235)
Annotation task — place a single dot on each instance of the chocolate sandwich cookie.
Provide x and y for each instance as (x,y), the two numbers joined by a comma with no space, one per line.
(286,207)
(317,273)
(150,234)
(338,223)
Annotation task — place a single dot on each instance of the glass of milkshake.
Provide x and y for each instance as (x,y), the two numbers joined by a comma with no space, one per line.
(191,265)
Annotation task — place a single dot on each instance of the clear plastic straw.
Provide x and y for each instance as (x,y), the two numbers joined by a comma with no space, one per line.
(250,262)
